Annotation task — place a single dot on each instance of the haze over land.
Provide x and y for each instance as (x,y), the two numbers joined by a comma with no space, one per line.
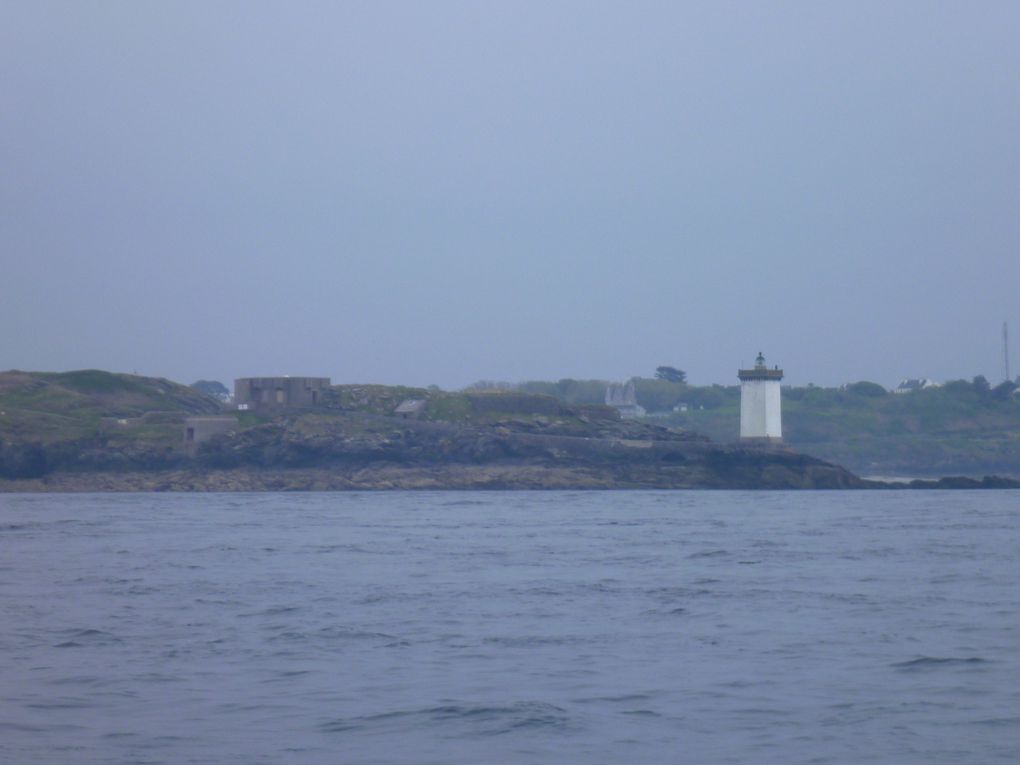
(437,193)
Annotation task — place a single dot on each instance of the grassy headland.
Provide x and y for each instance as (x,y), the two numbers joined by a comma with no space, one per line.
(101,431)
(962,427)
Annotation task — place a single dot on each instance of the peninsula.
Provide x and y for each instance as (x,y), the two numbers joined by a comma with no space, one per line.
(99,431)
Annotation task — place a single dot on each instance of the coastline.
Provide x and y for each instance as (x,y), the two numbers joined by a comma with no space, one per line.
(459,477)
(168,438)
(382,477)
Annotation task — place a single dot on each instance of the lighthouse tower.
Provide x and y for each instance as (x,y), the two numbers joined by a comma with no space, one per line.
(760,416)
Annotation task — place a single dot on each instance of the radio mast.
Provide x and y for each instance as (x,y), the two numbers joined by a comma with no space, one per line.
(1005,349)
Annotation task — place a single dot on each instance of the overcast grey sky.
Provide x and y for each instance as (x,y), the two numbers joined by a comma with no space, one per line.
(440,192)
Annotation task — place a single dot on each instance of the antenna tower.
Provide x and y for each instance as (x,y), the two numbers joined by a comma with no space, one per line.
(1005,348)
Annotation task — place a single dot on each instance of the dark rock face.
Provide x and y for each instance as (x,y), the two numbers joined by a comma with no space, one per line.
(50,441)
(23,460)
(962,482)
(384,476)
(372,452)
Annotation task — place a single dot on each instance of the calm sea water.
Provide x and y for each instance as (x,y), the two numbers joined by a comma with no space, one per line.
(510,627)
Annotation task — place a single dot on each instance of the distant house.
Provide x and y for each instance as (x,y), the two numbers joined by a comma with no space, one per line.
(410,409)
(623,398)
(279,392)
(906,386)
(200,429)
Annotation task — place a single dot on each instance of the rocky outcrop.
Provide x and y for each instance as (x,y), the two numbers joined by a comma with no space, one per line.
(50,441)
(361,451)
(963,482)
(383,476)
(483,441)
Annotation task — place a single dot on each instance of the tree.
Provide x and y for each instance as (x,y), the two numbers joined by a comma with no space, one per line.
(868,389)
(1003,391)
(671,374)
(958,388)
(212,388)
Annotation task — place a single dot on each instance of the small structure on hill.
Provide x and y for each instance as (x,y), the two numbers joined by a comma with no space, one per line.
(761,417)
(279,392)
(623,398)
(199,429)
(410,408)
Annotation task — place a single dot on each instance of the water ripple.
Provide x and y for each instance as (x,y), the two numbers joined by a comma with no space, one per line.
(479,719)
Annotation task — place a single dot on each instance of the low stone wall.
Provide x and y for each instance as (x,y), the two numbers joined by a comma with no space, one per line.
(149,418)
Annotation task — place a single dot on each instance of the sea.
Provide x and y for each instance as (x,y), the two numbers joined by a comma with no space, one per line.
(510,627)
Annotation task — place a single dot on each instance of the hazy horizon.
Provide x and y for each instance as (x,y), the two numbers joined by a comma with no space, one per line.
(451,192)
(228,381)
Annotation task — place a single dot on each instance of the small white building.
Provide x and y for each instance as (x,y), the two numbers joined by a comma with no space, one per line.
(624,399)
(761,417)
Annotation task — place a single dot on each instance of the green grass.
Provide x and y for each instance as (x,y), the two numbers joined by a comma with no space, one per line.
(96,381)
(50,407)
(962,425)
(449,407)
(250,419)
(168,434)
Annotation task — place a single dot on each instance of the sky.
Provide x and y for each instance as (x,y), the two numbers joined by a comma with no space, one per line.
(445,192)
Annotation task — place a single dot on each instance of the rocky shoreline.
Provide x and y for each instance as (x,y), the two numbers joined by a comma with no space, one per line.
(460,477)
(434,477)
(354,440)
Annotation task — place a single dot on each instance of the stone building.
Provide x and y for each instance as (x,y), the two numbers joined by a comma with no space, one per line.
(199,429)
(410,409)
(279,392)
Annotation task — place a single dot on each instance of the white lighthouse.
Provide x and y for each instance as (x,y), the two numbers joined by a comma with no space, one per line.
(761,418)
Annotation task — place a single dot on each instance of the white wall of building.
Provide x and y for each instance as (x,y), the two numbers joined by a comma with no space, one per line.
(760,413)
